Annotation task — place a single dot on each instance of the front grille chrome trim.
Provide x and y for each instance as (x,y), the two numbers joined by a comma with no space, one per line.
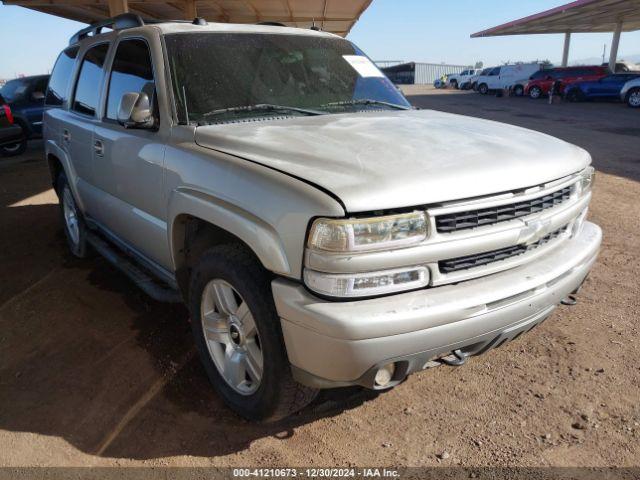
(457,221)
(485,258)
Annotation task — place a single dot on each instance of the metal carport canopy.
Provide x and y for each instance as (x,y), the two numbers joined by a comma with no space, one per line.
(336,16)
(581,16)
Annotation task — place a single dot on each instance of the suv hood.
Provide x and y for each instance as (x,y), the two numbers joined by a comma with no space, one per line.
(391,159)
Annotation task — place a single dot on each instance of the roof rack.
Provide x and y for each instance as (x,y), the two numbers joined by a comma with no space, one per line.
(124,21)
(119,22)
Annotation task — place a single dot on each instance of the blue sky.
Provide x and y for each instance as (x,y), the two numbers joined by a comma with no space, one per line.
(418,30)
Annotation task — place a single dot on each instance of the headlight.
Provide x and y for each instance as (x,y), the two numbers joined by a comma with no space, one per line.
(587,177)
(367,284)
(366,234)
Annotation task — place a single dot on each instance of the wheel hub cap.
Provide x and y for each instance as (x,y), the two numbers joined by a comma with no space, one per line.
(232,337)
(70,215)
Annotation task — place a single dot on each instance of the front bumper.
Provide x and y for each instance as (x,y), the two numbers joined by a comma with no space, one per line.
(332,344)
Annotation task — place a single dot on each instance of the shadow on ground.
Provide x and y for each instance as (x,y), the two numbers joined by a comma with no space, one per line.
(87,357)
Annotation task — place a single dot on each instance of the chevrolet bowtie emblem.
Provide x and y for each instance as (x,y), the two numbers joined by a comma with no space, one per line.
(533,231)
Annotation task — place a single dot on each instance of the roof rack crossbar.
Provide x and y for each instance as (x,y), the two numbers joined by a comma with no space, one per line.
(119,22)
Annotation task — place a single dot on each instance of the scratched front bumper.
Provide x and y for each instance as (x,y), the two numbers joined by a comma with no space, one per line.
(343,343)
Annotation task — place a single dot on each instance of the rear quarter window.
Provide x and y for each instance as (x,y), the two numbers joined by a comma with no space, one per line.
(57,90)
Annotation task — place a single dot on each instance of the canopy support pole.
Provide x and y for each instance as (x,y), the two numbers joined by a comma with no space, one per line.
(565,51)
(117,7)
(613,55)
(190,10)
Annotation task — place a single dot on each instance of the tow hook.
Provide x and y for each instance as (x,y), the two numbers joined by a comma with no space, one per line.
(460,359)
(569,300)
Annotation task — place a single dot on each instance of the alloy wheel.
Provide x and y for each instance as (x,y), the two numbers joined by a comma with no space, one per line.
(70,215)
(232,337)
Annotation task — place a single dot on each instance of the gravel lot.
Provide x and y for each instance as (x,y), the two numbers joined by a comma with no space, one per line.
(92,372)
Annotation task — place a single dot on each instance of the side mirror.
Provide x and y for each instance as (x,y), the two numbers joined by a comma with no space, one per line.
(135,111)
(37,96)
(548,77)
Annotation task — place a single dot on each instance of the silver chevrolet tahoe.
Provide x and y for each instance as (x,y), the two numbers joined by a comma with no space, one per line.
(321,231)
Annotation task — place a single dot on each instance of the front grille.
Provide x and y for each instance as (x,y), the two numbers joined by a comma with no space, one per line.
(454,222)
(479,259)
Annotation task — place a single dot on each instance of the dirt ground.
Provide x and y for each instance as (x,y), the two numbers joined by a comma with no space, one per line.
(93,373)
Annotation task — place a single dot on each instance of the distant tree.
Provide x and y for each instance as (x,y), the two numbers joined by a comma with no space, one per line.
(479,64)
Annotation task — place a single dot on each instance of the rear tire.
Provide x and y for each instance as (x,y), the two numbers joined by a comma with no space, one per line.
(17,148)
(633,98)
(535,93)
(518,90)
(238,336)
(483,89)
(74,227)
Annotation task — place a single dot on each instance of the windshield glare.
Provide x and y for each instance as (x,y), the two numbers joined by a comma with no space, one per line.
(215,71)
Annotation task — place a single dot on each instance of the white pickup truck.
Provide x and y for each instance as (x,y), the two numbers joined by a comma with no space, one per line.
(463,80)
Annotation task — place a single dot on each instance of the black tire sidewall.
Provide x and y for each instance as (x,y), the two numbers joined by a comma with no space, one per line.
(222,263)
(22,144)
(77,249)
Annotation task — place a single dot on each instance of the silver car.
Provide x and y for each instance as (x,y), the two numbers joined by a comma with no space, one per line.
(630,93)
(321,231)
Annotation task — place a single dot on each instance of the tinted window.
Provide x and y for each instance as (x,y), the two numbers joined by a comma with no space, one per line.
(60,78)
(131,72)
(494,72)
(14,90)
(88,86)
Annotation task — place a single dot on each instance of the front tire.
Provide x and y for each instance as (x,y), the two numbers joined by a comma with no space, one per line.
(483,89)
(75,229)
(574,95)
(238,337)
(535,93)
(633,98)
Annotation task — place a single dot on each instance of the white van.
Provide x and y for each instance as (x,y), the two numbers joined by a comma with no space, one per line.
(507,77)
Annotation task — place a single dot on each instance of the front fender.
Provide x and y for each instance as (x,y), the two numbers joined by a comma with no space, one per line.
(257,234)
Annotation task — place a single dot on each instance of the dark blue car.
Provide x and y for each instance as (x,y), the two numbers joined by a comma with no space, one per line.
(606,88)
(25,96)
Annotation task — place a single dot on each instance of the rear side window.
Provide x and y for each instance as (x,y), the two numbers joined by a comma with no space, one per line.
(14,90)
(59,83)
(87,93)
(131,72)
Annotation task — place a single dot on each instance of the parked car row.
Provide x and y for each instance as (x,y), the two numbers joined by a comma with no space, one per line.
(24,97)
(578,83)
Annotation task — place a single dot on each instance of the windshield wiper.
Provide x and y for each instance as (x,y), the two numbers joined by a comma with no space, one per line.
(262,107)
(365,101)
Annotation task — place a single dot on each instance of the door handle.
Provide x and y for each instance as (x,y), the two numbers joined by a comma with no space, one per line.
(66,136)
(98,147)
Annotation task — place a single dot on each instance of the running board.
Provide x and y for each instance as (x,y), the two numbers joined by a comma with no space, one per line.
(146,282)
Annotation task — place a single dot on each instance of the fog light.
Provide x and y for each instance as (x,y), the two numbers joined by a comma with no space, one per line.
(385,374)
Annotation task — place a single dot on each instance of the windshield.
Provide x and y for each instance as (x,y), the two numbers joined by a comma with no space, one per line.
(216,76)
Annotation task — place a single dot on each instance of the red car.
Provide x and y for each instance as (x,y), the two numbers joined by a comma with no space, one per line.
(541,82)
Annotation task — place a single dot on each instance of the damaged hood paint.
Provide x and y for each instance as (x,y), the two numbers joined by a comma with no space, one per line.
(382,160)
